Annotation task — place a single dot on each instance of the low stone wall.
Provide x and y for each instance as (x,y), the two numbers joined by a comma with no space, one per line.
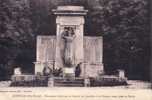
(106,80)
(29,81)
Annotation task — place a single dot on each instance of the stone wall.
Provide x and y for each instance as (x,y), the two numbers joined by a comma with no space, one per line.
(93,55)
(46,47)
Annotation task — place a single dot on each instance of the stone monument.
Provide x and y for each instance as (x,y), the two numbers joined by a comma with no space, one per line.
(70,47)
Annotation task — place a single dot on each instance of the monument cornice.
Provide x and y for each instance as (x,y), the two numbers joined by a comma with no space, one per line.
(70,11)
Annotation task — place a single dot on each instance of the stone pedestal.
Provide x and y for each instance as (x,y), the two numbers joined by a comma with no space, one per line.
(17,71)
(39,67)
(86,82)
(121,73)
(68,72)
(51,82)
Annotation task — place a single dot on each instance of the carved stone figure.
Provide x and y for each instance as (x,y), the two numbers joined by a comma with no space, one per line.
(78,70)
(68,35)
(47,71)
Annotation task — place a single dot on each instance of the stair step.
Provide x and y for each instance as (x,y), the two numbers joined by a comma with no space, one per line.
(61,82)
(69,85)
(69,81)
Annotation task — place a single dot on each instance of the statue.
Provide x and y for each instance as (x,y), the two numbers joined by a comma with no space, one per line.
(47,71)
(78,70)
(68,35)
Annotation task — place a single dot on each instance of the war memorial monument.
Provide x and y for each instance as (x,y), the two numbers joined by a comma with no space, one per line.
(69,58)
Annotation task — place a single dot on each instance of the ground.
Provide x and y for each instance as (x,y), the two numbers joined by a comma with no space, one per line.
(133,84)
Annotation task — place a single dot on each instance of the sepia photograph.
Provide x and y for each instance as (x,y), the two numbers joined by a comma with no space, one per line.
(75,43)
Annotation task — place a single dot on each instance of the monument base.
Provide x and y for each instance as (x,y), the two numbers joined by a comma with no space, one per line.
(69,73)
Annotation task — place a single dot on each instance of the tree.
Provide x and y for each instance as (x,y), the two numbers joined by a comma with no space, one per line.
(124,24)
(15,33)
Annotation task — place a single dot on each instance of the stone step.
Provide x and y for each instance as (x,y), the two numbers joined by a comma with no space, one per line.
(68,81)
(62,82)
(68,85)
